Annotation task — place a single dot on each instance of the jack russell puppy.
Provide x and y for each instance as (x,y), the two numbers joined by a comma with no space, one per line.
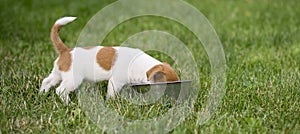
(118,65)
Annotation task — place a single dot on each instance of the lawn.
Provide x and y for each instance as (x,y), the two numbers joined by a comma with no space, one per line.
(261,41)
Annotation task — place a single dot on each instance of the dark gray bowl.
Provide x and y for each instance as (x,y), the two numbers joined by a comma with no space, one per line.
(176,90)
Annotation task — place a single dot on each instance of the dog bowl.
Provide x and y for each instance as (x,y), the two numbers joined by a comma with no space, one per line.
(175,90)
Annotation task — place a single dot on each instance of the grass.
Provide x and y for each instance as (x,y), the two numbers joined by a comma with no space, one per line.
(261,40)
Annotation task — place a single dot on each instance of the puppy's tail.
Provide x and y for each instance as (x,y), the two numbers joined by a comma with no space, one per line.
(59,46)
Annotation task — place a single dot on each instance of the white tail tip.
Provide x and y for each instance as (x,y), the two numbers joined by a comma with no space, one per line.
(65,20)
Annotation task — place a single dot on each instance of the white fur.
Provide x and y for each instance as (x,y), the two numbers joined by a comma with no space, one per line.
(65,20)
(130,66)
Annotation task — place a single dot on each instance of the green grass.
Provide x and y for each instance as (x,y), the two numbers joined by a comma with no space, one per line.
(261,40)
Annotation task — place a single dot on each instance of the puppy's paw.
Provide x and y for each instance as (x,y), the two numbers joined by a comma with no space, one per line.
(44,89)
(64,95)
(110,96)
(45,86)
(66,99)
(41,90)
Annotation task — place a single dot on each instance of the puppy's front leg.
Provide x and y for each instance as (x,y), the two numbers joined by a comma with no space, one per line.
(110,90)
(113,88)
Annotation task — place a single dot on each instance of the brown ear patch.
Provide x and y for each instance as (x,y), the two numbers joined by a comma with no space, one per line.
(158,77)
(150,73)
(64,61)
(162,73)
(169,72)
(106,57)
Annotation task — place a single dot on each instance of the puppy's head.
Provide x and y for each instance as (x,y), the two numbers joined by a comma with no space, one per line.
(162,73)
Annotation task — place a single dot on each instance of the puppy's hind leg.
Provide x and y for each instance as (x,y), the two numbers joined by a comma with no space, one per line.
(50,81)
(61,91)
(67,86)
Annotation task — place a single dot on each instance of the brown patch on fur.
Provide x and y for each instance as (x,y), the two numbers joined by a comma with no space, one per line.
(106,57)
(88,47)
(64,60)
(150,73)
(162,73)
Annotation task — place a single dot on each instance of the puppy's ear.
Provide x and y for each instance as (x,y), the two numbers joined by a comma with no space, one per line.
(162,72)
(150,73)
(169,72)
(158,77)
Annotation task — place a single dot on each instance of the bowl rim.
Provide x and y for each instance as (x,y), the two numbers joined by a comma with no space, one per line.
(159,83)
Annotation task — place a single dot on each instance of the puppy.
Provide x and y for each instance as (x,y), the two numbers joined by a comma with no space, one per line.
(118,65)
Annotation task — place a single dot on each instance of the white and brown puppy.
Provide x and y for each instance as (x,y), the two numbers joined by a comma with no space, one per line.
(118,65)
